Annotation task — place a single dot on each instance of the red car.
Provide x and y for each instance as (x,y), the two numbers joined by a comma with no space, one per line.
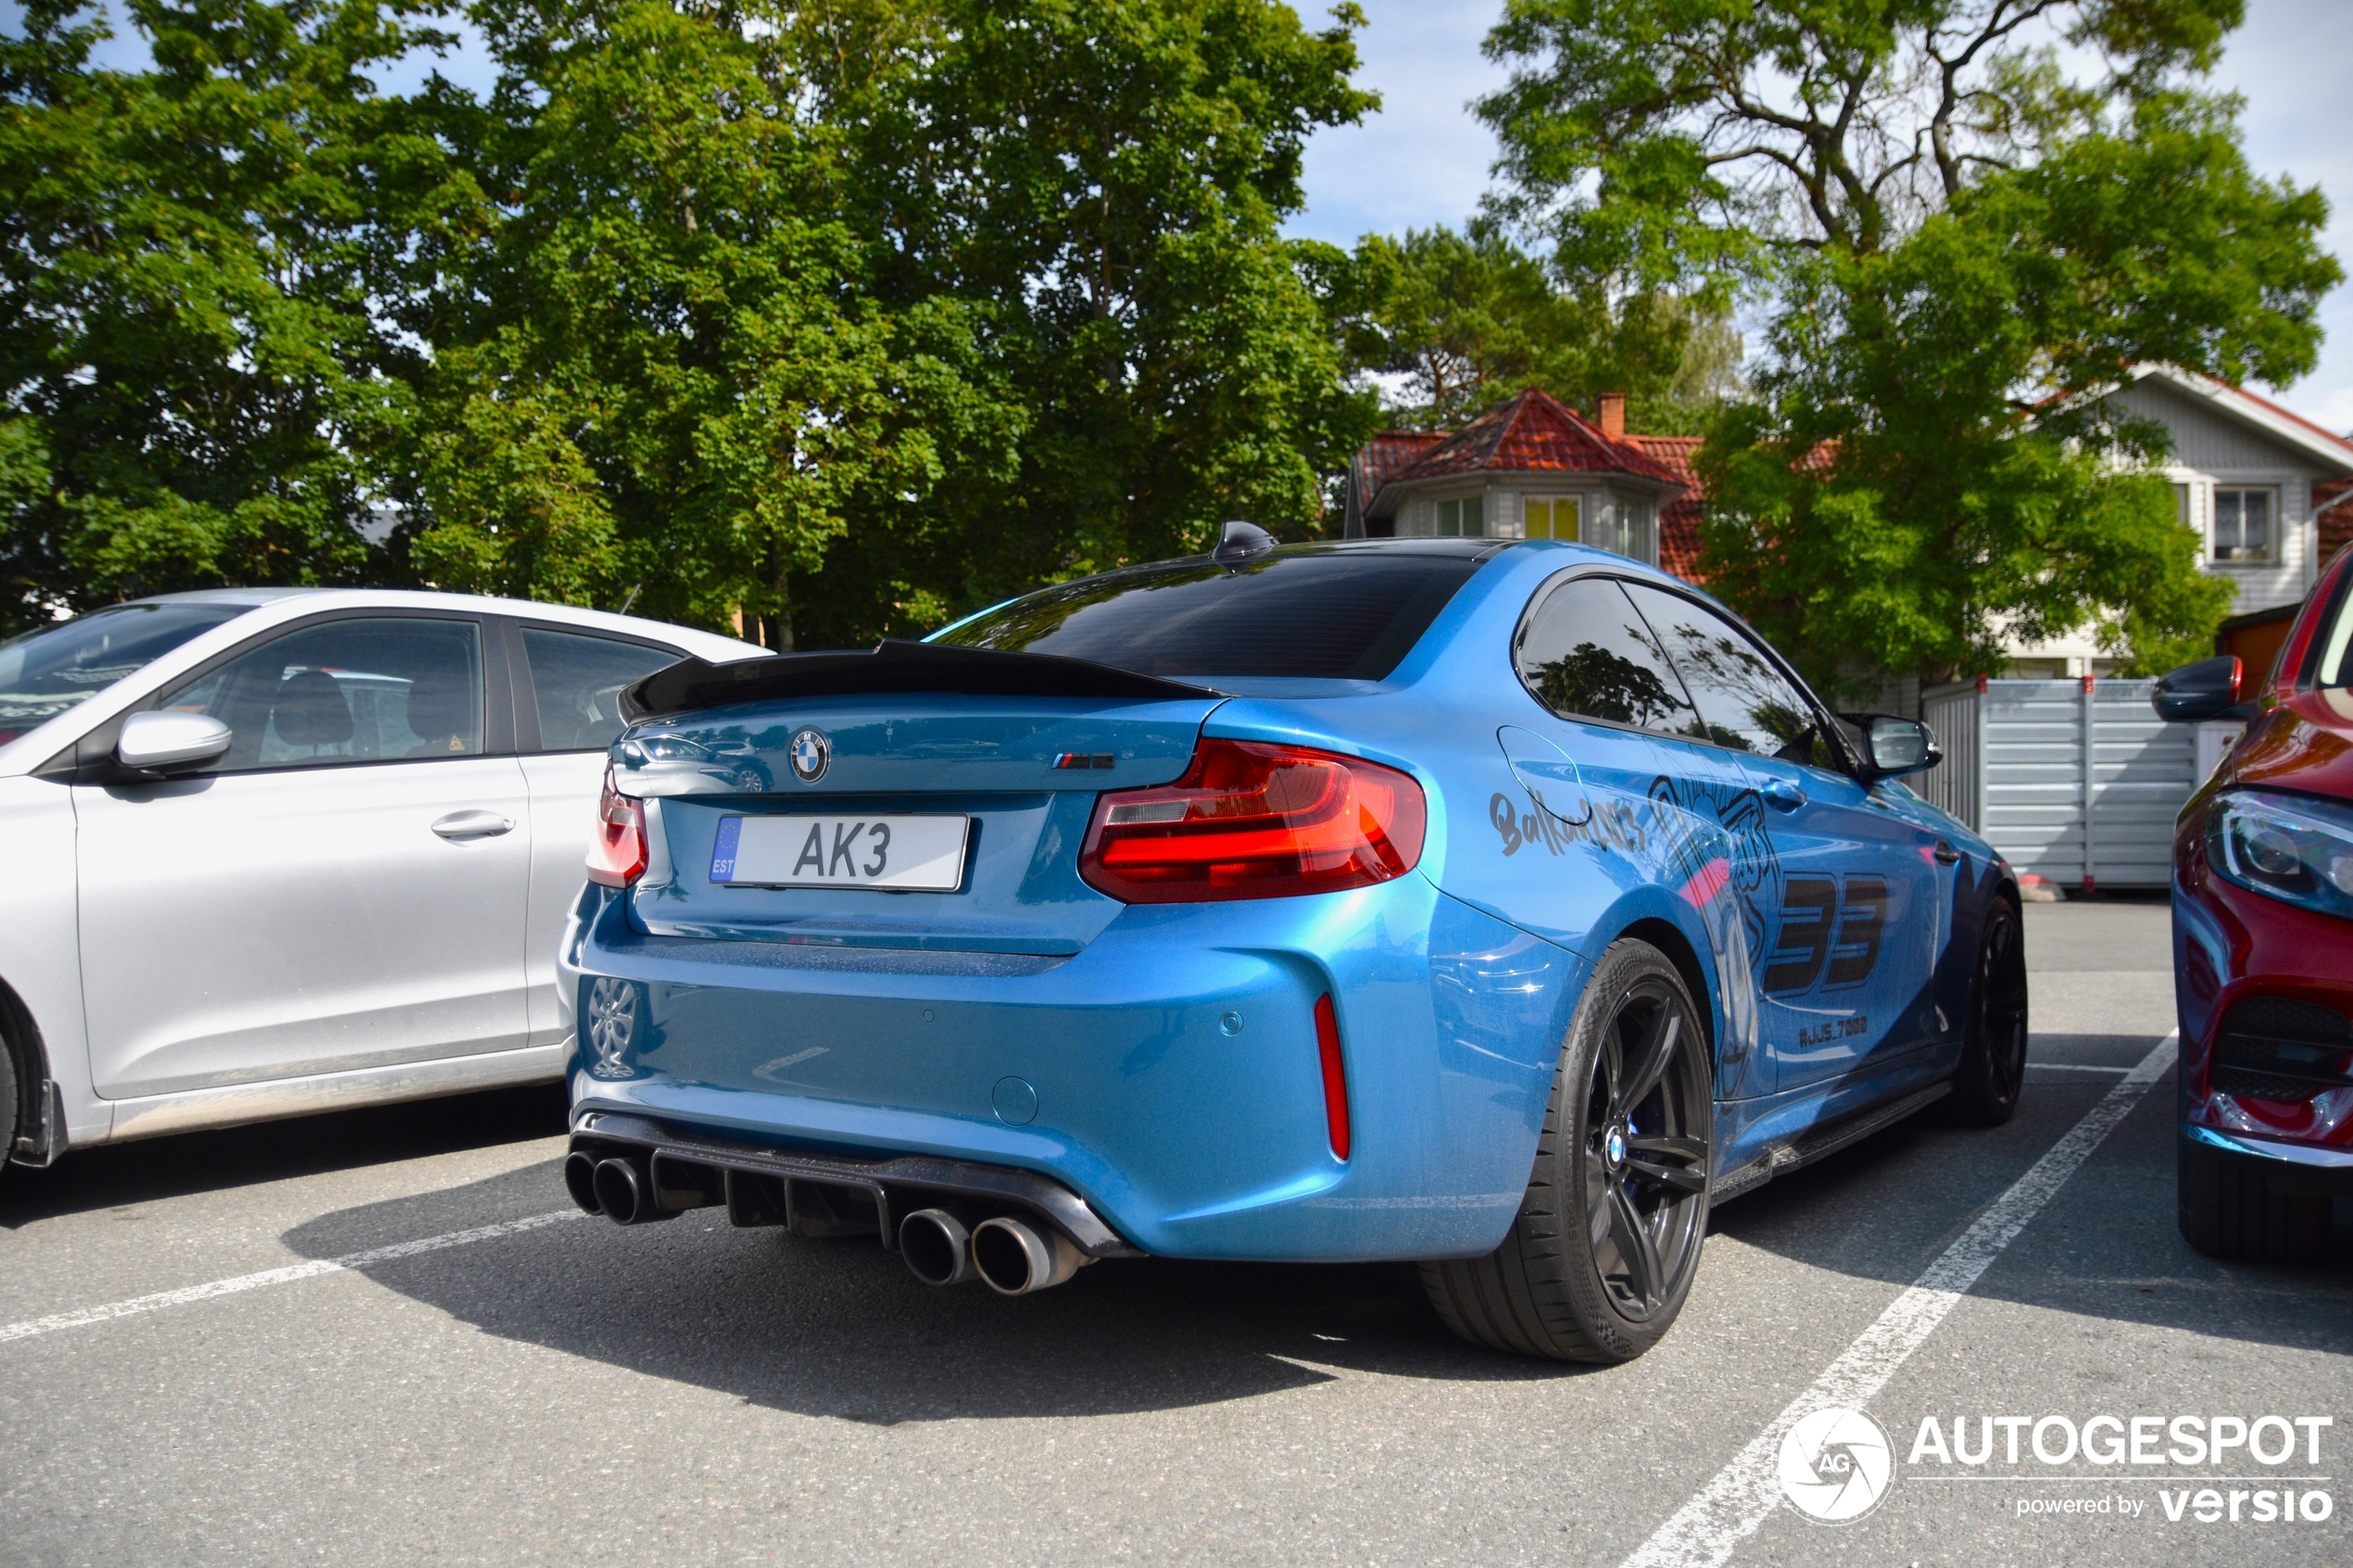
(2263,944)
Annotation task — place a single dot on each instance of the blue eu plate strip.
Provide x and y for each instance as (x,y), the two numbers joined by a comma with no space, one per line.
(723,850)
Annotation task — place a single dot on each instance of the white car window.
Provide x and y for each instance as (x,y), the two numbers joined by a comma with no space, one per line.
(362,690)
(576,681)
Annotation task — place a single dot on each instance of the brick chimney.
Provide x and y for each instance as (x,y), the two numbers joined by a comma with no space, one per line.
(1611,416)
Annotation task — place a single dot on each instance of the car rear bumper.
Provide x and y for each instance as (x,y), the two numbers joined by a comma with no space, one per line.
(1169,1074)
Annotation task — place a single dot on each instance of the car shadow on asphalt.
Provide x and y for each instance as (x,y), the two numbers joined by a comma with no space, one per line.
(186,1164)
(839,1328)
(2107,1245)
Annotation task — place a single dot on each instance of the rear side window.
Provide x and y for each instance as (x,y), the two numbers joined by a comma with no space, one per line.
(1744,702)
(576,681)
(1587,654)
(348,691)
(1335,614)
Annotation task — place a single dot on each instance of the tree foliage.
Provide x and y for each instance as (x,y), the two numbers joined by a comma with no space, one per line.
(1468,319)
(841,320)
(1962,247)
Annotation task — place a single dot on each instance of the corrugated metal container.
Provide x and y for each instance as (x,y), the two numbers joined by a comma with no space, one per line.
(2078,781)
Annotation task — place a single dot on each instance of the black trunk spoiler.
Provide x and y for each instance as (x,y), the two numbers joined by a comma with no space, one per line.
(892,665)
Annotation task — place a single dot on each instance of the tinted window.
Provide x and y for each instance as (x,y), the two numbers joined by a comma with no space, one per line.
(1744,702)
(576,681)
(1587,654)
(44,672)
(348,691)
(1303,611)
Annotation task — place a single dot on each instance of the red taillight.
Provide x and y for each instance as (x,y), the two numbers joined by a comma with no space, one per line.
(1335,1076)
(1253,821)
(617,850)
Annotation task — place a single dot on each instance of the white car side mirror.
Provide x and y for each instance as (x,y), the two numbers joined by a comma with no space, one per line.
(172,743)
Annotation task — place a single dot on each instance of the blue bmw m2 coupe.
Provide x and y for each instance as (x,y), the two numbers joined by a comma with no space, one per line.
(1497,906)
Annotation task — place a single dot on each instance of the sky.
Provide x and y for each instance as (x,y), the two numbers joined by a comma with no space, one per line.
(1423,160)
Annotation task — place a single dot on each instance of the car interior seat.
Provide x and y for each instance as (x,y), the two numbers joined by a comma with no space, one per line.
(442,708)
(309,710)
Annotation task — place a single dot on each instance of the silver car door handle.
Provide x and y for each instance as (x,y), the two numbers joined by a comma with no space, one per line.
(1783,794)
(474,825)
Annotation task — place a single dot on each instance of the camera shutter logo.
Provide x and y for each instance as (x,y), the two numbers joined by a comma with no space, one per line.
(1835,1466)
(811,752)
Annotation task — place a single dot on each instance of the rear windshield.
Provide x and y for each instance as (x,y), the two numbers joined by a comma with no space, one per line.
(1305,611)
(44,672)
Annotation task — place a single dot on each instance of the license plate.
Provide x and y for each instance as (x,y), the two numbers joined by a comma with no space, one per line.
(910,854)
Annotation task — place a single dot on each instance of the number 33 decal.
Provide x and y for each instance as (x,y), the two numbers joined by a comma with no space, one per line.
(1822,931)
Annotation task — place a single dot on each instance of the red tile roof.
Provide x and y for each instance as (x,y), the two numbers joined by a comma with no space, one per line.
(1533,432)
(1679,518)
(1389,452)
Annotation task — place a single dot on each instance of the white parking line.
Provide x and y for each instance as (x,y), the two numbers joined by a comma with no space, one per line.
(286,1275)
(1726,1510)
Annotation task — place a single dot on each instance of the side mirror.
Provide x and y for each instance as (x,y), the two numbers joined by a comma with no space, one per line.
(164,744)
(2194,693)
(1893,746)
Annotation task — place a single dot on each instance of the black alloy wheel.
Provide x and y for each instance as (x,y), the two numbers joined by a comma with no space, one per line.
(1993,1069)
(1607,1240)
(1645,1172)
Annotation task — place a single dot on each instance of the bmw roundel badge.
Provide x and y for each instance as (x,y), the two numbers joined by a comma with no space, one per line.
(811,752)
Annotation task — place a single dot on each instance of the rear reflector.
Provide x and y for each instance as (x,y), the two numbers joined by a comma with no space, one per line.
(617,848)
(1335,1076)
(1255,820)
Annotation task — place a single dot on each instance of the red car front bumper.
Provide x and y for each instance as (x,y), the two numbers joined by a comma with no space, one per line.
(2264,991)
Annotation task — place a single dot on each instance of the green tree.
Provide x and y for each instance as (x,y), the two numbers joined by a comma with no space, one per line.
(194,368)
(1962,247)
(1469,318)
(1104,186)
(665,376)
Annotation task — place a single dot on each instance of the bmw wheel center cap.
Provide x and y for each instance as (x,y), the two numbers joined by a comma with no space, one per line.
(1614,1148)
(811,752)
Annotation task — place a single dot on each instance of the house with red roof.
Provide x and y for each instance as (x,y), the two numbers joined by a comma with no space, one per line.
(1533,468)
(2269,491)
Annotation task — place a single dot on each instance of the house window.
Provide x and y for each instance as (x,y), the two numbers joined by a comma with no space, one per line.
(2245,523)
(1627,530)
(1555,517)
(1462,520)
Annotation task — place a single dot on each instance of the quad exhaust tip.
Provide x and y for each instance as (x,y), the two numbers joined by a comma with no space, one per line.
(1016,1259)
(580,1180)
(625,1192)
(937,1246)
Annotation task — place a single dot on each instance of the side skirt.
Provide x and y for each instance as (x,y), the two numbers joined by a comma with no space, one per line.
(1782,1158)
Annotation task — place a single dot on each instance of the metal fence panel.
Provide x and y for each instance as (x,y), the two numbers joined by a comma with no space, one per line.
(2069,781)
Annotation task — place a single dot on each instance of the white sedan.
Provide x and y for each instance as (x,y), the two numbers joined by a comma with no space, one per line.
(287,851)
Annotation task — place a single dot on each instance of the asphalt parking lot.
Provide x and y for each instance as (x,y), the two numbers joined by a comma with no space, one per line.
(557,1389)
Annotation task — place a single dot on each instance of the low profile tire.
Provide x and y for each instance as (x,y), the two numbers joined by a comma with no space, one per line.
(2228,1210)
(1607,1239)
(11,1102)
(1993,1067)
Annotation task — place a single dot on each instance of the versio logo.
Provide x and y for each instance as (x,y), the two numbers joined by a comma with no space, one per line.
(1835,1465)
